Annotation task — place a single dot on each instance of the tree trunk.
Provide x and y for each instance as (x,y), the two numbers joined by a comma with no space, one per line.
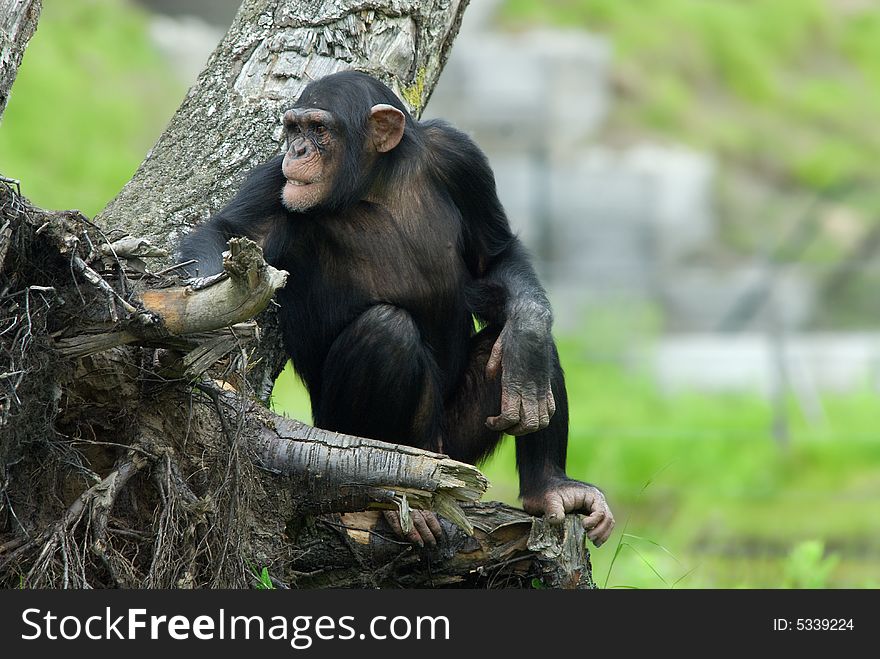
(18,21)
(134,449)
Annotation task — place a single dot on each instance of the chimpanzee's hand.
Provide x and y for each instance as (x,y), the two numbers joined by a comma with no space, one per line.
(426,528)
(563,496)
(524,353)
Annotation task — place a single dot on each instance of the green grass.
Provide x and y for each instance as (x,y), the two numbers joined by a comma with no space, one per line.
(727,504)
(91,97)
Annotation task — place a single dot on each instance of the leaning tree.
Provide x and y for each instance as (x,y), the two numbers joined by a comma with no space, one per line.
(136,445)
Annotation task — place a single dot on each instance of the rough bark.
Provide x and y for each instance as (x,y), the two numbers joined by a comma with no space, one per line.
(508,549)
(341,473)
(18,22)
(133,451)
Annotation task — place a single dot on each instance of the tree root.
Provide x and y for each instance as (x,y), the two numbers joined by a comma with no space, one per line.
(57,547)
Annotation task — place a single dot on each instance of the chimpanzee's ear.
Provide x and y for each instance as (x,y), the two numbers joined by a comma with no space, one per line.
(386,126)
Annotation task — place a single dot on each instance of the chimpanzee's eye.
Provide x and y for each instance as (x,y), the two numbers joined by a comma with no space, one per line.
(320,130)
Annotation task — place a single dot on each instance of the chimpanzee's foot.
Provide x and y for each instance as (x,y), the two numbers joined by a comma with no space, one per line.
(426,530)
(565,495)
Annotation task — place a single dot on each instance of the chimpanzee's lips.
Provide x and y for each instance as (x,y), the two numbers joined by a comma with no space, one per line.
(299,184)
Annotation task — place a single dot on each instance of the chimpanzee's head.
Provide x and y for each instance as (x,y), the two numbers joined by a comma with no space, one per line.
(336,132)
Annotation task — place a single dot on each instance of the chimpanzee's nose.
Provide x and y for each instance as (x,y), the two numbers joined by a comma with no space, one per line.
(299,147)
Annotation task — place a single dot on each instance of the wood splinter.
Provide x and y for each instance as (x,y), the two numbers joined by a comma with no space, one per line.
(241,292)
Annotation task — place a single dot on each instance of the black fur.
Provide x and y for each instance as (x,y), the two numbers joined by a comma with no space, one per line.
(385,278)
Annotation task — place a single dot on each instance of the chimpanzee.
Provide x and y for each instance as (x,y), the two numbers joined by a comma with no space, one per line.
(395,240)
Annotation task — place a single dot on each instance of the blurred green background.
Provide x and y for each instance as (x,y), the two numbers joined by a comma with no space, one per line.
(92,95)
(704,496)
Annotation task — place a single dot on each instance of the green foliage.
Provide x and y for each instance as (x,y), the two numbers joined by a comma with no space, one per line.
(91,96)
(787,87)
(807,566)
(262,578)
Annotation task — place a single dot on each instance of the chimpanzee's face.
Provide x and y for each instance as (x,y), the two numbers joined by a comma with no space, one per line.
(331,156)
(311,163)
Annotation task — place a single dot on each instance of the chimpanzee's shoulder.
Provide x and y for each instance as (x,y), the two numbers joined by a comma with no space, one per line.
(440,131)
(451,149)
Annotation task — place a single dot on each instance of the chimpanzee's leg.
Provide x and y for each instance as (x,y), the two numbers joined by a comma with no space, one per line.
(380,381)
(544,487)
(465,434)
(540,456)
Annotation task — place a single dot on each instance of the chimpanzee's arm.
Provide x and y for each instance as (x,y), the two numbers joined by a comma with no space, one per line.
(495,257)
(257,201)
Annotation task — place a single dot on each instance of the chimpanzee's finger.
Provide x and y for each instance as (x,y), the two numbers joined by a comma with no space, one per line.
(414,537)
(434,524)
(543,413)
(505,422)
(510,407)
(593,520)
(554,510)
(600,534)
(393,520)
(494,363)
(420,526)
(529,413)
(527,421)
(551,402)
